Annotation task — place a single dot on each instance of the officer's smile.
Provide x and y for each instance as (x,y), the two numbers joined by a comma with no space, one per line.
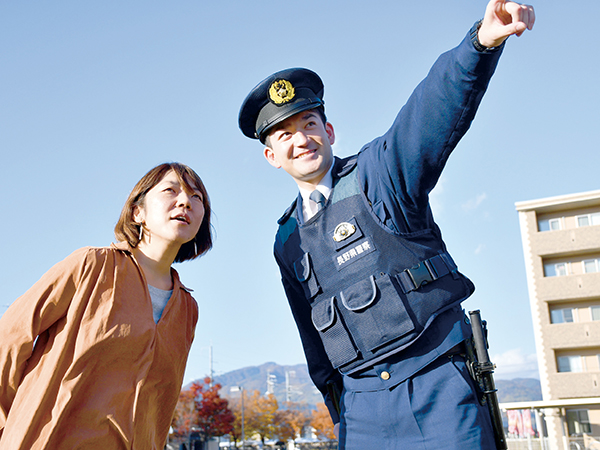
(305,154)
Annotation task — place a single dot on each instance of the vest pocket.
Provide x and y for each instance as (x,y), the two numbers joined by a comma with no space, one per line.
(336,340)
(375,312)
(306,276)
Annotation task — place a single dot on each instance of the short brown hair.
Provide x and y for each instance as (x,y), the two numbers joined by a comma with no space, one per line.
(128,230)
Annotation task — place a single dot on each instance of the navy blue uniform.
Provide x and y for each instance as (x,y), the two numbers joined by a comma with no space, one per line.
(365,322)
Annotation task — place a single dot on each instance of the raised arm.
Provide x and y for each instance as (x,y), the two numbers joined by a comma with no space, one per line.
(436,116)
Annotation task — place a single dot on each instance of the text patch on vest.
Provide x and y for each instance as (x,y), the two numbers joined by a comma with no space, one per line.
(354,252)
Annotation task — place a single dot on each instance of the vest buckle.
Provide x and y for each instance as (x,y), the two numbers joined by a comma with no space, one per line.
(413,278)
(421,274)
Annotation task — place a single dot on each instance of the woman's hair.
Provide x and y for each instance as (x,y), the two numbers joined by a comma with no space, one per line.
(128,230)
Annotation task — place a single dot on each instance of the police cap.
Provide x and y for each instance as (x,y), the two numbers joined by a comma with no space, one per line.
(277,98)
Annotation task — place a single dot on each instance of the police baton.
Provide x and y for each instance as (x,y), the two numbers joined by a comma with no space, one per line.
(483,369)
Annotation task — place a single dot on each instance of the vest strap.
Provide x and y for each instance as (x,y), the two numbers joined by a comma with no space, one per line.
(425,272)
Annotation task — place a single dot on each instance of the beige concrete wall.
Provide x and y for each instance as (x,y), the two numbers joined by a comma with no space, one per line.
(528,224)
(574,385)
(572,335)
(574,287)
(578,290)
(565,242)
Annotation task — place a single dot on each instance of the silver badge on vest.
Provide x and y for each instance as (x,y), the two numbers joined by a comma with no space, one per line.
(343,231)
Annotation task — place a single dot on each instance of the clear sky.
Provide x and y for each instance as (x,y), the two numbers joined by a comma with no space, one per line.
(94,94)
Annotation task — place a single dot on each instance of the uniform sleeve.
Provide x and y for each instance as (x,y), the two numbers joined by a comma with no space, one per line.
(320,369)
(26,321)
(399,169)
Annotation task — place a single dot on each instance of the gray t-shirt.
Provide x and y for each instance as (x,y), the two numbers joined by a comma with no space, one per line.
(159,301)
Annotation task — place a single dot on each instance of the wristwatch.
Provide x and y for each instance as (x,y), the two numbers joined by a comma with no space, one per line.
(475,39)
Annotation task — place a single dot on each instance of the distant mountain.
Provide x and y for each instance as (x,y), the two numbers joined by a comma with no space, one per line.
(285,382)
(293,382)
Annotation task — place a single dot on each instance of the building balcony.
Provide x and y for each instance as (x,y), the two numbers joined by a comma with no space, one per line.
(566,242)
(570,287)
(562,336)
(574,385)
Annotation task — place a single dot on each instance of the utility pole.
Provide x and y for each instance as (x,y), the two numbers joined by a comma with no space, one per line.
(241,390)
(210,364)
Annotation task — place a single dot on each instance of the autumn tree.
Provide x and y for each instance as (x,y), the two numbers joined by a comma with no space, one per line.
(184,416)
(214,416)
(283,425)
(259,416)
(236,432)
(290,421)
(321,422)
(203,409)
(265,408)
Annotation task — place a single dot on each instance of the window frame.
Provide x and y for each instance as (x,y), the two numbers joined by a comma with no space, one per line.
(595,262)
(556,221)
(582,419)
(556,268)
(544,225)
(592,219)
(553,312)
(592,308)
(570,358)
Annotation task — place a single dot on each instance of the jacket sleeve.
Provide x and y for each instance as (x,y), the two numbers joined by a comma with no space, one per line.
(399,169)
(25,322)
(320,369)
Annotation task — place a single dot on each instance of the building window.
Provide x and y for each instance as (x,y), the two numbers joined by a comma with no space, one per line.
(564,315)
(595,312)
(555,270)
(587,220)
(590,266)
(569,363)
(549,225)
(578,421)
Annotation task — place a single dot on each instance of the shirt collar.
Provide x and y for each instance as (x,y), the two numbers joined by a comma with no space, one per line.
(309,208)
(125,247)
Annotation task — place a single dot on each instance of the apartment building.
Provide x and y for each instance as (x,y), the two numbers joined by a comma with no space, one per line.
(561,246)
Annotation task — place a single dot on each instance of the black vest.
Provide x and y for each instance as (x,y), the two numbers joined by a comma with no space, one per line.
(372,292)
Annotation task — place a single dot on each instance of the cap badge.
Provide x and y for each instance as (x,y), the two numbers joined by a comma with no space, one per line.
(281,91)
(343,231)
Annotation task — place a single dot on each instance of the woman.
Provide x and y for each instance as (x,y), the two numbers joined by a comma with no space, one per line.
(93,355)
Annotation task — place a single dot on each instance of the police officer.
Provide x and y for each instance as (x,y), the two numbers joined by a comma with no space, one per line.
(374,293)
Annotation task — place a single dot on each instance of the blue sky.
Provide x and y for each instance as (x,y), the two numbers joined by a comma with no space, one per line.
(94,94)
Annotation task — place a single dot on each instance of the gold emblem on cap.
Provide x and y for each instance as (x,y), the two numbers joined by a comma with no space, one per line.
(343,231)
(281,91)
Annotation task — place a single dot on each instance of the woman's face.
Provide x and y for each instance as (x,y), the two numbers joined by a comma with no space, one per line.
(171,213)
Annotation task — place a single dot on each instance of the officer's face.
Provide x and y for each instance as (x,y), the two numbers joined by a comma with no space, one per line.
(301,145)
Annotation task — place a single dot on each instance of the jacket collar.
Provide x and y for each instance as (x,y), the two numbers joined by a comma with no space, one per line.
(341,167)
(126,248)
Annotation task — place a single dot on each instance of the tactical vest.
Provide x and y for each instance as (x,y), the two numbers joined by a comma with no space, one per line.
(371,292)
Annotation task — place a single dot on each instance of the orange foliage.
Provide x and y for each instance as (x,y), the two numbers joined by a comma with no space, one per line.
(321,422)
(202,409)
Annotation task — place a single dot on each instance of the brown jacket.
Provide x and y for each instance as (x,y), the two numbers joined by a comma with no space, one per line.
(101,374)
